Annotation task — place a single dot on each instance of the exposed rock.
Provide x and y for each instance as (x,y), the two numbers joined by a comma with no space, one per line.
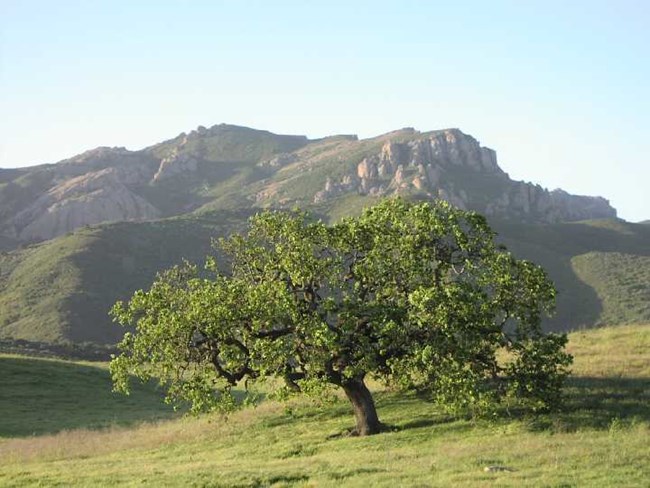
(320,196)
(399,175)
(455,148)
(418,183)
(394,154)
(333,188)
(367,169)
(89,199)
(279,160)
(420,153)
(98,155)
(133,162)
(579,207)
(176,164)
(384,169)
(107,184)
(348,181)
(436,163)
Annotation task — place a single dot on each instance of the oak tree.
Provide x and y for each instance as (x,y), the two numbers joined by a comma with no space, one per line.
(417,294)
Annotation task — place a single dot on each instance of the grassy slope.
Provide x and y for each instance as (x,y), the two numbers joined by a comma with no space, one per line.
(34,285)
(62,289)
(621,281)
(41,396)
(600,440)
(591,291)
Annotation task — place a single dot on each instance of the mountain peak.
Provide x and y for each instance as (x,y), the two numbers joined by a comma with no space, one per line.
(232,166)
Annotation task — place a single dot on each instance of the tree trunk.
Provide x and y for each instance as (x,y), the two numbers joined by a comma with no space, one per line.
(365,412)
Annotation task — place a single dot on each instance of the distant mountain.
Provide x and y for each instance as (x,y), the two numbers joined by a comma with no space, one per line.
(235,167)
(77,235)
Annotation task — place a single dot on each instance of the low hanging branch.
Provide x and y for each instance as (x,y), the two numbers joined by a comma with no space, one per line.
(418,294)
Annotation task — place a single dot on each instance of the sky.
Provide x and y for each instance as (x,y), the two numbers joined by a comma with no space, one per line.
(561,90)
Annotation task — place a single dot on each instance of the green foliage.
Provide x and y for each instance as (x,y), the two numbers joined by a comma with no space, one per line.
(417,294)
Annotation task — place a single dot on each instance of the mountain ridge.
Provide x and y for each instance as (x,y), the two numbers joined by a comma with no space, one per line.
(78,235)
(186,173)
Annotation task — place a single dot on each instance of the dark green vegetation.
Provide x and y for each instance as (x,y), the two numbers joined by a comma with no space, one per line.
(206,183)
(41,396)
(417,295)
(600,439)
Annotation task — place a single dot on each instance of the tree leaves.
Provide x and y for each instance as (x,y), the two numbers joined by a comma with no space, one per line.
(417,294)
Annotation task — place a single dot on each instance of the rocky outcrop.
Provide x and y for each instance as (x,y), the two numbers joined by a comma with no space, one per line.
(579,207)
(279,161)
(332,189)
(442,164)
(176,164)
(115,184)
(134,165)
(417,164)
(89,199)
(532,202)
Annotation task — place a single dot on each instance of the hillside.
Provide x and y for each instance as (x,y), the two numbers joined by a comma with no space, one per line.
(600,439)
(590,291)
(228,166)
(61,290)
(77,235)
(77,395)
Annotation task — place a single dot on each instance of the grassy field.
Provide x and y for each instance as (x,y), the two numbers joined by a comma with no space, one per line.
(41,396)
(600,439)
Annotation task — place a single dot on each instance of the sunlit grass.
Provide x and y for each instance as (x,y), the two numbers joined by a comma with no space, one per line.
(600,439)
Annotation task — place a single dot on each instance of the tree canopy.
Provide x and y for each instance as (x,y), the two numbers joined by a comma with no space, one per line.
(417,294)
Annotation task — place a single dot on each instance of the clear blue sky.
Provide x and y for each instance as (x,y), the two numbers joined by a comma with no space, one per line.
(559,89)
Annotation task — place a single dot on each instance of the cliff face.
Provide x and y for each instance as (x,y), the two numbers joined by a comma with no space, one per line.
(92,198)
(115,184)
(453,166)
(264,169)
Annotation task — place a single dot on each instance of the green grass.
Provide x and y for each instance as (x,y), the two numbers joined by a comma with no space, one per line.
(41,396)
(61,290)
(601,268)
(600,439)
(621,281)
(35,283)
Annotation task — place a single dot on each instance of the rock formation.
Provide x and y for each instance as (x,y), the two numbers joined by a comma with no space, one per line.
(89,199)
(114,184)
(442,164)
